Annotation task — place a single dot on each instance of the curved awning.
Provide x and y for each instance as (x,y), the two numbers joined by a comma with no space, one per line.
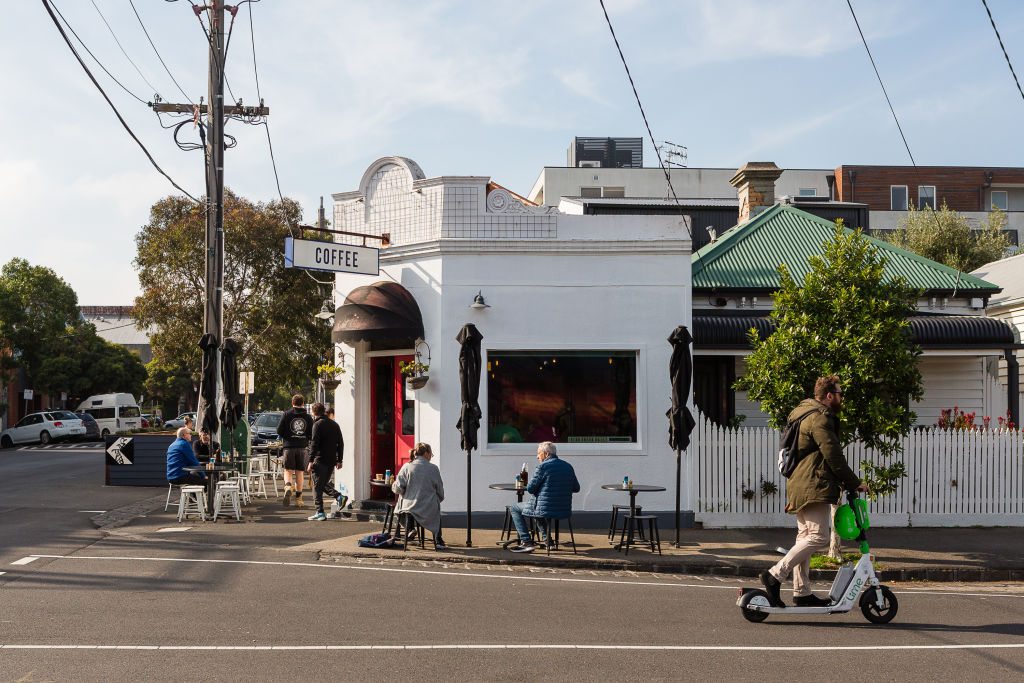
(381,312)
(930,331)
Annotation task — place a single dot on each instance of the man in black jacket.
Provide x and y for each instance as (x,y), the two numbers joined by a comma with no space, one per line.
(325,453)
(294,429)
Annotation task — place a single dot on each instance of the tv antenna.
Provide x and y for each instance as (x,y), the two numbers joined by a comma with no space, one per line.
(672,154)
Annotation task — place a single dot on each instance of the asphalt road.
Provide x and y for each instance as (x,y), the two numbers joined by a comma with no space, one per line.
(86,607)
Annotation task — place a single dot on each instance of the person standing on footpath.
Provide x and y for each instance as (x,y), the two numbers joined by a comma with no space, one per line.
(325,453)
(816,484)
(294,429)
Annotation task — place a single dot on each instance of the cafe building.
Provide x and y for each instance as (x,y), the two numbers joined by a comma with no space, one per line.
(574,310)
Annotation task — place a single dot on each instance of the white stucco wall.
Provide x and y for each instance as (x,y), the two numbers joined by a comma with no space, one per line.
(552,282)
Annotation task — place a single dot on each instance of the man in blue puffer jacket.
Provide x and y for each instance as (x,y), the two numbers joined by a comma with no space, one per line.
(552,486)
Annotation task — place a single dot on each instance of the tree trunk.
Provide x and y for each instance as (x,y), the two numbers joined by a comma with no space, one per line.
(835,546)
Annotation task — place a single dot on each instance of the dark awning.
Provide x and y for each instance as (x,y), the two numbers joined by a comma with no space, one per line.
(381,312)
(930,331)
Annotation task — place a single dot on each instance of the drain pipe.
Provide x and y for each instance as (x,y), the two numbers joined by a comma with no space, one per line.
(1013,385)
(853,185)
(981,191)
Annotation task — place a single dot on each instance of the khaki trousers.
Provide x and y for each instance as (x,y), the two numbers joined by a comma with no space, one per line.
(812,535)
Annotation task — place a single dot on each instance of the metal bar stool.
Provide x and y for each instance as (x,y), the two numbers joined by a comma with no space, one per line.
(536,534)
(192,502)
(227,492)
(616,510)
(637,523)
(412,529)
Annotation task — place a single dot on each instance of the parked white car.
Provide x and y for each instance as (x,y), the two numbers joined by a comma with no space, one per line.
(179,421)
(44,427)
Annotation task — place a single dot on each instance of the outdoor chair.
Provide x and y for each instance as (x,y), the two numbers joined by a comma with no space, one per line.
(192,501)
(227,492)
(637,523)
(170,491)
(410,527)
(552,533)
(613,527)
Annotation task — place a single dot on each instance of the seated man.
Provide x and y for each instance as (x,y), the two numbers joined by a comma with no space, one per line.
(180,456)
(552,485)
(204,447)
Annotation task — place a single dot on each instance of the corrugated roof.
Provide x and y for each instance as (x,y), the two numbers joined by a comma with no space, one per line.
(1007,273)
(746,256)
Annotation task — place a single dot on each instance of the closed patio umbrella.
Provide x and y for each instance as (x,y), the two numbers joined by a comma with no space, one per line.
(231,399)
(680,421)
(469,416)
(206,413)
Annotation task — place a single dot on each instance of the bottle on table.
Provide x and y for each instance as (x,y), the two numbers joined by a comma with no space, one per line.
(523,477)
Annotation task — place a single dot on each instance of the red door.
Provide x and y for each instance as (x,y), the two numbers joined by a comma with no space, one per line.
(392,429)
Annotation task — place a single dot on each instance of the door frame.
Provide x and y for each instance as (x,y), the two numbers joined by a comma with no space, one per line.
(364,417)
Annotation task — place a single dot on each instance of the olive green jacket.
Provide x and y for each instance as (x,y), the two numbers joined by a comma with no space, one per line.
(823,473)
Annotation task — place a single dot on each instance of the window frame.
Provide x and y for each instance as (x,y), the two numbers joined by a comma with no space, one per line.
(906,198)
(529,448)
(807,192)
(935,197)
(1006,200)
(598,188)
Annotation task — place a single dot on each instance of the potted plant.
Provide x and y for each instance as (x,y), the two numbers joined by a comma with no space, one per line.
(415,373)
(328,375)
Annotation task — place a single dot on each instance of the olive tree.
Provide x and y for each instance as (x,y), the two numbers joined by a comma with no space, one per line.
(847,318)
(945,236)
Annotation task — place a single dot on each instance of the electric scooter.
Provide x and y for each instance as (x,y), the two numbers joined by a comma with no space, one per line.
(877,602)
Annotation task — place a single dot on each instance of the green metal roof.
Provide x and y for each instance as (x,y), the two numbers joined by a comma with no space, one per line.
(746,256)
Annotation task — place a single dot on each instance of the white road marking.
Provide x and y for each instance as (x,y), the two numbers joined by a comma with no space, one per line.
(26,560)
(171,529)
(100,511)
(533,646)
(2,573)
(507,577)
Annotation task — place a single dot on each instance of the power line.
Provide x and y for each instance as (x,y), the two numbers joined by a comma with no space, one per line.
(95,59)
(1000,39)
(49,10)
(158,52)
(879,76)
(668,177)
(130,60)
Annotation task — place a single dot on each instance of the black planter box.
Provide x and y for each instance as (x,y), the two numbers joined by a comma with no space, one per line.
(148,461)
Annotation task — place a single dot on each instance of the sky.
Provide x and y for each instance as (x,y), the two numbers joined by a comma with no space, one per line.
(495,89)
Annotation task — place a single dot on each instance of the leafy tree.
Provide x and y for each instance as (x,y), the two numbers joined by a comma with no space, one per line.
(268,309)
(86,364)
(946,236)
(167,384)
(36,309)
(850,320)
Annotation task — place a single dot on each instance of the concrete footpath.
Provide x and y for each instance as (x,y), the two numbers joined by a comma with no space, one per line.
(904,554)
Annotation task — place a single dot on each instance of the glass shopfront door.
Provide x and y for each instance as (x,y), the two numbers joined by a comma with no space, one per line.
(393,419)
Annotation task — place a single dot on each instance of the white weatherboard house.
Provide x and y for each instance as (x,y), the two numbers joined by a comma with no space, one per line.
(575,327)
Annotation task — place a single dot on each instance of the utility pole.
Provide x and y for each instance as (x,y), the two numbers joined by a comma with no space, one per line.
(213,316)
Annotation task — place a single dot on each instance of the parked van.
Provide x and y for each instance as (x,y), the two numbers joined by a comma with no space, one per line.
(113,412)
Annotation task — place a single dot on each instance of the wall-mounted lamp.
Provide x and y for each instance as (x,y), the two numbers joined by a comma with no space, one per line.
(478,301)
(326,310)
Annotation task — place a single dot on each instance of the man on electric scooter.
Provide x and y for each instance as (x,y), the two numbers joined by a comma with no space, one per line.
(817,483)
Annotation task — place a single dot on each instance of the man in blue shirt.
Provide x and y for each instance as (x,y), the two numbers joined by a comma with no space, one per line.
(180,456)
(552,486)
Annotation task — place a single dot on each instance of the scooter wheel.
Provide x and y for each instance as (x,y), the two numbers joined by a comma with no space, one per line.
(754,597)
(874,613)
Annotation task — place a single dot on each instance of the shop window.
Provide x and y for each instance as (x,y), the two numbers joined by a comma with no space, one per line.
(590,192)
(999,200)
(926,196)
(898,197)
(561,396)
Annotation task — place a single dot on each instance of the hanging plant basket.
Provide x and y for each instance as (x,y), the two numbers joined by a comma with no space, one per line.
(330,384)
(417,382)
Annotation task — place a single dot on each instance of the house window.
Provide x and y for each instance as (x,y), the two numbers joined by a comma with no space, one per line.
(898,197)
(807,192)
(615,192)
(590,192)
(561,396)
(926,196)
(999,200)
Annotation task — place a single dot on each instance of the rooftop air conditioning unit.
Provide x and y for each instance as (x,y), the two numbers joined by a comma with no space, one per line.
(590,164)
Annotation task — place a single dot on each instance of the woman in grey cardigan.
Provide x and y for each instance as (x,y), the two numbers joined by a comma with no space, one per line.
(420,490)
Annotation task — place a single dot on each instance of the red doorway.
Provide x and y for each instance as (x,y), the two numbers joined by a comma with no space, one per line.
(392,419)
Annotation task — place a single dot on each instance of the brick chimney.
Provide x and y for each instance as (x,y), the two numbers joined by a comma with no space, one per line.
(755,185)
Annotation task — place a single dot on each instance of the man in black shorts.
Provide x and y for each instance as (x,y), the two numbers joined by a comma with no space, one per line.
(295,428)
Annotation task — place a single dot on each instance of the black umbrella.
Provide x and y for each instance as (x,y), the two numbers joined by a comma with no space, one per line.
(231,399)
(469,416)
(680,421)
(206,413)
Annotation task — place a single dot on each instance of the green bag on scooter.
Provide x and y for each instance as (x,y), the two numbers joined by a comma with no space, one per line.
(850,520)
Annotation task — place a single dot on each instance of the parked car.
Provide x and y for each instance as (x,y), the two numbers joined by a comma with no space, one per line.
(114,412)
(149,420)
(44,427)
(264,429)
(179,421)
(92,428)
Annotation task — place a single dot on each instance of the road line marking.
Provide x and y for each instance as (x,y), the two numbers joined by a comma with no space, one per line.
(533,646)
(512,577)
(26,560)
(2,573)
(171,529)
(100,511)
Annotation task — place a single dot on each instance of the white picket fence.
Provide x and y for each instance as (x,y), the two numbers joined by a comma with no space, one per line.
(954,478)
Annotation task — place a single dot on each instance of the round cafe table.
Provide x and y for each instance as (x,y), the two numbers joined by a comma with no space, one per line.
(632,490)
(507,526)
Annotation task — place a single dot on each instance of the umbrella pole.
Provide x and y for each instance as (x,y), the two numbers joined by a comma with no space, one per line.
(469,498)
(678,479)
